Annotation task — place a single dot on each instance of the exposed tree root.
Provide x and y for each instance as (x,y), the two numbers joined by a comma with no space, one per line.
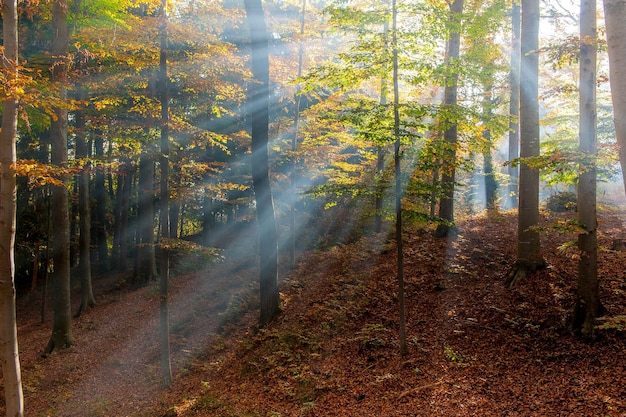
(521,269)
(582,322)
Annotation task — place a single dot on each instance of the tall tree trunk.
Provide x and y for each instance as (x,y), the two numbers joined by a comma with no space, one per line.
(99,224)
(528,245)
(176,205)
(398,175)
(514,77)
(446,205)
(381,151)
(146,257)
(84,239)
(62,322)
(294,145)
(9,352)
(258,108)
(615,16)
(491,185)
(588,305)
(166,367)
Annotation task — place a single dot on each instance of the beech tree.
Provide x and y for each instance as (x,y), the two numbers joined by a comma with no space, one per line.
(615,16)
(529,257)
(9,353)
(514,85)
(62,322)
(588,305)
(166,367)
(258,112)
(446,204)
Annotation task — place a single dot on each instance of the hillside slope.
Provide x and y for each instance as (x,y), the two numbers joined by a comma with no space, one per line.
(475,348)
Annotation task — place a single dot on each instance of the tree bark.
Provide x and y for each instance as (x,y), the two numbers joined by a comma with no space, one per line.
(258,108)
(146,261)
(514,81)
(99,224)
(399,188)
(528,245)
(491,185)
(615,16)
(588,305)
(166,366)
(446,205)
(84,215)
(62,322)
(9,352)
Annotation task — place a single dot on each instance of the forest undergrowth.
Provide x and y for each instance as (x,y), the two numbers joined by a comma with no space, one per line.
(475,347)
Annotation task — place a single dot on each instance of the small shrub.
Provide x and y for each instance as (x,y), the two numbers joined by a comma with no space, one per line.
(561,202)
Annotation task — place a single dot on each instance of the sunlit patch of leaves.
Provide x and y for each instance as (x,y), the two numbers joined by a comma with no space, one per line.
(612,323)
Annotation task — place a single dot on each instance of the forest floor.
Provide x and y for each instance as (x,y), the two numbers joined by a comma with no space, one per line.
(475,348)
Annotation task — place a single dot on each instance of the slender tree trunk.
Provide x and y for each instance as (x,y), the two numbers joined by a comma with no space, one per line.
(9,352)
(166,367)
(514,81)
(176,204)
(100,192)
(615,16)
(294,145)
(398,175)
(62,322)
(145,252)
(446,205)
(491,185)
(381,151)
(258,108)
(588,305)
(84,238)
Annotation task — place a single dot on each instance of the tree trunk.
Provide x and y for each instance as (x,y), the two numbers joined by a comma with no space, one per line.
(588,305)
(399,188)
(166,367)
(99,224)
(294,146)
(615,16)
(258,108)
(146,257)
(528,246)
(9,352)
(62,322)
(491,185)
(446,205)
(514,82)
(381,152)
(84,238)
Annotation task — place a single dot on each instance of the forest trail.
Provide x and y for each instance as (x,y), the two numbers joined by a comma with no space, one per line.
(475,348)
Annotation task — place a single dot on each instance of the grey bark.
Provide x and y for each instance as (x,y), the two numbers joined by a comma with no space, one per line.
(529,257)
(62,321)
(9,352)
(446,205)
(258,107)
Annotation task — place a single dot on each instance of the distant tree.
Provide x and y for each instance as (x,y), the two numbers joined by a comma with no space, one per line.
(398,178)
(294,144)
(588,305)
(258,108)
(62,323)
(9,353)
(514,85)
(99,222)
(446,205)
(146,257)
(529,257)
(84,263)
(166,367)
(615,16)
